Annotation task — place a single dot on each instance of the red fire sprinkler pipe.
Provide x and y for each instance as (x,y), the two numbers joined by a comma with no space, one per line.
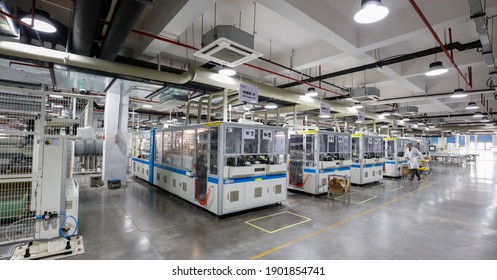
(442,46)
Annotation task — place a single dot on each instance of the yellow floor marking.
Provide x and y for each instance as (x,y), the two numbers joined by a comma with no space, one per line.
(280,229)
(338,224)
(401,187)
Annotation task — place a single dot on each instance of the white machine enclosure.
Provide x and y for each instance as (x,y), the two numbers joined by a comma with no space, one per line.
(315,156)
(368,157)
(140,160)
(223,167)
(394,155)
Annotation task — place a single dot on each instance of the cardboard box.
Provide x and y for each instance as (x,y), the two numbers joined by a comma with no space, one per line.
(338,185)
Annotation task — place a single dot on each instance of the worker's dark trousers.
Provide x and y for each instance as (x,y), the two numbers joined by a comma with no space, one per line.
(415,172)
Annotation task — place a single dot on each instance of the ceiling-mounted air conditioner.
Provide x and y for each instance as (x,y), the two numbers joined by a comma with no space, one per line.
(365,94)
(408,110)
(227,45)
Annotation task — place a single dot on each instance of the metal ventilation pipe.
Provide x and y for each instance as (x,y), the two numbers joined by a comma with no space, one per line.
(86,16)
(126,14)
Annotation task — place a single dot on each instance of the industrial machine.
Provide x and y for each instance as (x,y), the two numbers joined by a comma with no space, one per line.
(221,166)
(394,156)
(38,196)
(88,156)
(315,156)
(368,156)
(141,161)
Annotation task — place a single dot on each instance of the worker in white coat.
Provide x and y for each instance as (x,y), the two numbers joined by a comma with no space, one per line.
(412,155)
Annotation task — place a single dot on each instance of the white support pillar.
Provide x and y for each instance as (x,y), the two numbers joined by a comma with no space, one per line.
(116,137)
(225,105)
(467,140)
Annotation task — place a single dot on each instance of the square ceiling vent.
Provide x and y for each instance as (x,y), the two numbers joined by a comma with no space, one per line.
(228,45)
(365,94)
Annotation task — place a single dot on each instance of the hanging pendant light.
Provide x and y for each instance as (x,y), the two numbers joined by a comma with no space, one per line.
(371,11)
(357,105)
(477,115)
(41,23)
(471,106)
(311,92)
(484,120)
(226,71)
(436,68)
(270,105)
(459,93)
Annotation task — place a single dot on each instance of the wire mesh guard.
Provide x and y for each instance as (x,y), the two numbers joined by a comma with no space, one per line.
(27,116)
(16,215)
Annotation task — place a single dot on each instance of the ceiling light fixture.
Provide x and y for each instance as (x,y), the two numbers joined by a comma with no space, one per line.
(57,106)
(384,126)
(381,117)
(386,114)
(406,119)
(42,23)
(358,105)
(471,106)
(311,92)
(371,11)
(485,120)
(147,106)
(226,71)
(56,96)
(305,98)
(270,105)
(325,116)
(477,115)
(436,68)
(458,93)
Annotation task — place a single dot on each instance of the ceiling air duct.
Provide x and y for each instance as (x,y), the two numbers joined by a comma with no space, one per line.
(365,94)
(408,110)
(228,45)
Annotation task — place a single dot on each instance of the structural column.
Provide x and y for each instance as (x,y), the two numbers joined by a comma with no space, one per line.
(116,136)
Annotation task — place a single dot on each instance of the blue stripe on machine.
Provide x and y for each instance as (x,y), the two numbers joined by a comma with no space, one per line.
(254,178)
(308,170)
(212,180)
(367,165)
(393,162)
(140,161)
(335,169)
(172,169)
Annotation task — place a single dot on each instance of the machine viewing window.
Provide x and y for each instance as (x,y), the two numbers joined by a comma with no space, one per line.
(214,142)
(167,146)
(233,140)
(176,148)
(158,147)
(250,140)
(188,148)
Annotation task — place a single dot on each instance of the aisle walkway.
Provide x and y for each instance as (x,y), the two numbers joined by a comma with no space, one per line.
(451,215)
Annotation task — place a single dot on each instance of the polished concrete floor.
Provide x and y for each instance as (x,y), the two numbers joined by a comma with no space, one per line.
(450,215)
